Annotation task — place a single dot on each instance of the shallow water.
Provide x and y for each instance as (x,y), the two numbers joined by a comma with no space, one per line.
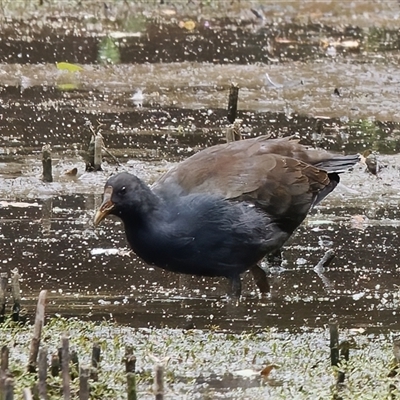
(324,71)
(48,235)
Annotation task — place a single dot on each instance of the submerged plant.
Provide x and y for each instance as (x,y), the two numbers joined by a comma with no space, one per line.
(264,364)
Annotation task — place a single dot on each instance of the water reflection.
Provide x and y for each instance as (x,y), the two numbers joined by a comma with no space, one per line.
(93,274)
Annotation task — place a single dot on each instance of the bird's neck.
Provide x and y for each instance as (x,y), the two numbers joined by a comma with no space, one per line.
(145,206)
(144,214)
(141,228)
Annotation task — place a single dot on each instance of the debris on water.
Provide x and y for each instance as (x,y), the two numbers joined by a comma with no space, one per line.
(137,98)
(188,25)
(107,252)
(371,161)
(359,222)
(68,67)
(275,85)
(110,252)
(325,241)
(267,370)
(18,204)
(247,373)
(71,172)
(358,296)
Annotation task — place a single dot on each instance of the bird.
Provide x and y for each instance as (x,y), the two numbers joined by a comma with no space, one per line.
(222,210)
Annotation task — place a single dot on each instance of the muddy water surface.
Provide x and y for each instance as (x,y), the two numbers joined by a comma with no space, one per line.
(184,75)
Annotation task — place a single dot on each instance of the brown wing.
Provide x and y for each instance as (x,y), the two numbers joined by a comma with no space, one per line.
(289,189)
(223,168)
(247,170)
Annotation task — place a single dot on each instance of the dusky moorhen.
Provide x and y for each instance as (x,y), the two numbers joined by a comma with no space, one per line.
(219,212)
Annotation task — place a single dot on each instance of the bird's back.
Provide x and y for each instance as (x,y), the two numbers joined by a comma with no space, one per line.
(233,169)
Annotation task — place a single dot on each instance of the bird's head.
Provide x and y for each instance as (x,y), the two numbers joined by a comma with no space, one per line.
(121,194)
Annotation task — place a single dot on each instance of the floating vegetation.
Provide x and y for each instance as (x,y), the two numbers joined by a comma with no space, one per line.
(211,363)
(108,51)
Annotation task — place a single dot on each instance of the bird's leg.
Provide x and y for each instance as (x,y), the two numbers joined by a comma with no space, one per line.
(274,259)
(236,286)
(260,277)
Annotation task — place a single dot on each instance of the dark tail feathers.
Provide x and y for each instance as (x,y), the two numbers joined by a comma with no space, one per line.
(338,163)
(334,180)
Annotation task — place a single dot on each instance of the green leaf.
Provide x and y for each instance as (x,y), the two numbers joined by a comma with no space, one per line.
(108,52)
(69,67)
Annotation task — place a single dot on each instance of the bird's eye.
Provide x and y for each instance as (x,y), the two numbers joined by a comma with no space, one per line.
(122,191)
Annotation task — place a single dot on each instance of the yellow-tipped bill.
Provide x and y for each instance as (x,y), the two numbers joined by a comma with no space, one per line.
(106,207)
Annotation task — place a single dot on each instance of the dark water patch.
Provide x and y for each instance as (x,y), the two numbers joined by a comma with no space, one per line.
(92,274)
(47,115)
(50,48)
(213,41)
